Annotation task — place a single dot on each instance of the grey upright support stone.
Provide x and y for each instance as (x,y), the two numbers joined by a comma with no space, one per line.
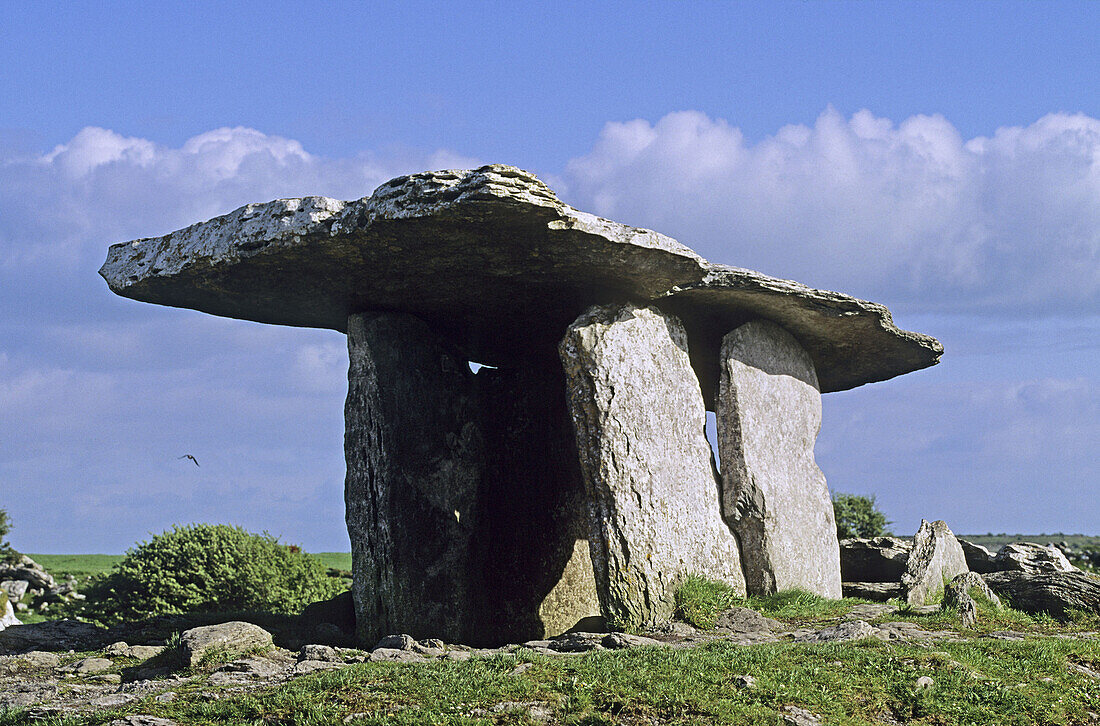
(414,461)
(936,559)
(773,493)
(639,418)
(533,523)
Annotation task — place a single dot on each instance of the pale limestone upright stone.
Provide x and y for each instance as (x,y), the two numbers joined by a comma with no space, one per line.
(414,463)
(936,559)
(639,417)
(773,493)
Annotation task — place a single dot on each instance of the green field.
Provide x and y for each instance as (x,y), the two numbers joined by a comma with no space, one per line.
(994,542)
(79,566)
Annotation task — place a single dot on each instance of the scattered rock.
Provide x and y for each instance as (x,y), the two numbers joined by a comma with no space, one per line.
(577,642)
(640,421)
(957,596)
(747,682)
(137,652)
(15,589)
(393,654)
(795,716)
(773,493)
(141,720)
(396,642)
(843,632)
(251,667)
(869,611)
(24,568)
(935,560)
(54,635)
(1031,558)
(319,652)
(616,641)
(1050,592)
(744,620)
(88,666)
(924,682)
(876,559)
(232,638)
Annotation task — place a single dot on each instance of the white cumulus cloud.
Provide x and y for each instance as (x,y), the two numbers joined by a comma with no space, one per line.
(908,212)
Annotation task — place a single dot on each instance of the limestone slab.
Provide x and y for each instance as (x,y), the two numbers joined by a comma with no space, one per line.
(414,461)
(773,493)
(493,260)
(639,419)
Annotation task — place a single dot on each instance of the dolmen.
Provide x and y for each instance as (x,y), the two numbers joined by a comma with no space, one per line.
(570,477)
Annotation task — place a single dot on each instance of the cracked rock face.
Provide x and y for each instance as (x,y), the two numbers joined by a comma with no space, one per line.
(640,419)
(774,494)
(496,263)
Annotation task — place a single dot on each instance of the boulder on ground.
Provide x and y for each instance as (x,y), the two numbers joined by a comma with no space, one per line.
(876,559)
(1055,593)
(959,596)
(53,635)
(978,558)
(1031,557)
(773,493)
(935,560)
(24,568)
(640,423)
(15,589)
(230,639)
(7,613)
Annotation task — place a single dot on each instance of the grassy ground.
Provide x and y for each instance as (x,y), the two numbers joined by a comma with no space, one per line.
(80,566)
(867,682)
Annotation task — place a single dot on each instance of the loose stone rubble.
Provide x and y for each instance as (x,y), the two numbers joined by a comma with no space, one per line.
(438,269)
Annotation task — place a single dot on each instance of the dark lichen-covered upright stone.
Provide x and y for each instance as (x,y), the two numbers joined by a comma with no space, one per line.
(414,463)
(535,576)
(640,424)
(773,493)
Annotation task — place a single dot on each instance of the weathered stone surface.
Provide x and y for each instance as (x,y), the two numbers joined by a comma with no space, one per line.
(229,639)
(878,591)
(531,546)
(935,560)
(773,493)
(495,261)
(414,463)
(978,558)
(1047,592)
(1031,557)
(52,635)
(744,620)
(24,568)
(15,589)
(639,419)
(876,559)
(957,596)
(7,613)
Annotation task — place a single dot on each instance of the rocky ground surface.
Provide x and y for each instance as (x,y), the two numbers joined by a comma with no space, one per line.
(63,667)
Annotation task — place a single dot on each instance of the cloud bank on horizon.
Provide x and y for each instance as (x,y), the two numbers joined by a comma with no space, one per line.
(98,395)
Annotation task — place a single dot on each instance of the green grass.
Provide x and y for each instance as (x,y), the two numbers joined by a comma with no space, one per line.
(699,601)
(83,565)
(77,565)
(869,682)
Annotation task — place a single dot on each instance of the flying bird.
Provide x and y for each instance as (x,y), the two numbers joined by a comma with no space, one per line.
(188,456)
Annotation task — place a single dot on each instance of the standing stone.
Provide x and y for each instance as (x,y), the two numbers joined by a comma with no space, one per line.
(936,559)
(639,419)
(414,454)
(536,577)
(773,494)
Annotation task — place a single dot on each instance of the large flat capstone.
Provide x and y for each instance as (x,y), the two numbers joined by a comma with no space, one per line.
(499,266)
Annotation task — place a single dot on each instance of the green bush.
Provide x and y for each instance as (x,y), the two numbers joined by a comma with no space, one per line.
(857,516)
(7,552)
(207,568)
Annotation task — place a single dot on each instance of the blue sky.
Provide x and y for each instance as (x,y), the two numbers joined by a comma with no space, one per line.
(941,158)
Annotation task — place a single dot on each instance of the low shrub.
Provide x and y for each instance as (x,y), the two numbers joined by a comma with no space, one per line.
(207,568)
(699,601)
(858,516)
